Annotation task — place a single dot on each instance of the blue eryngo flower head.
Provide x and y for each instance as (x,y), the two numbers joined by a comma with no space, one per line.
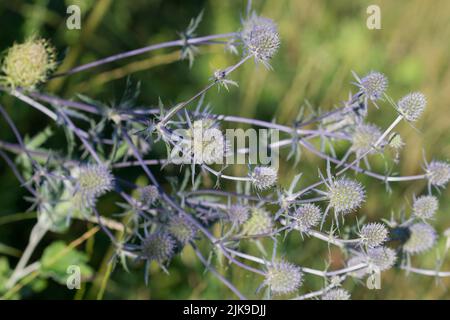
(148,195)
(422,237)
(336,294)
(158,246)
(260,222)
(28,64)
(412,106)
(381,258)
(260,38)
(438,173)
(364,138)
(305,217)
(425,207)
(181,229)
(373,234)
(357,260)
(264,177)
(283,277)
(92,182)
(373,85)
(238,214)
(345,195)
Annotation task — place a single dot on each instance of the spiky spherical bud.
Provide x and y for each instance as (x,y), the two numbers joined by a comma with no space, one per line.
(92,182)
(158,246)
(396,141)
(28,64)
(364,138)
(264,177)
(373,234)
(425,207)
(345,195)
(412,106)
(422,237)
(305,217)
(260,222)
(373,85)
(283,277)
(181,229)
(381,258)
(336,294)
(260,37)
(238,214)
(148,195)
(438,173)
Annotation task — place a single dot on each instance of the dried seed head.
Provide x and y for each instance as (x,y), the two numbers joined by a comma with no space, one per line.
(412,106)
(264,177)
(158,246)
(381,258)
(92,182)
(260,222)
(336,294)
(425,207)
(364,138)
(238,214)
(438,173)
(373,234)
(422,237)
(305,217)
(345,195)
(373,85)
(181,229)
(283,277)
(148,195)
(260,38)
(28,64)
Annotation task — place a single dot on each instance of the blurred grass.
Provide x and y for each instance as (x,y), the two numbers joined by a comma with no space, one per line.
(322,42)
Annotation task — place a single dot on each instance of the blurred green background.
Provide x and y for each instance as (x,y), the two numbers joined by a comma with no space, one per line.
(322,42)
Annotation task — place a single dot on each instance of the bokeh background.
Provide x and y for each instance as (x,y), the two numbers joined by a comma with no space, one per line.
(322,42)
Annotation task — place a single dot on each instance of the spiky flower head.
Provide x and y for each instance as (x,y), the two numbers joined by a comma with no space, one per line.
(260,38)
(373,85)
(381,258)
(345,195)
(158,246)
(260,222)
(28,64)
(336,294)
(425,207)
(396,142)
(283,277)
(412,106)
(93,181)
(238,214)
(305,217)
(438,173)
(373,234)
(148,195)
(364,138)
(264,177)
(422,237)
(181,229)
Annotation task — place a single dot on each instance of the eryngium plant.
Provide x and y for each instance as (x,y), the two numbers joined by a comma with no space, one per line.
(246,226)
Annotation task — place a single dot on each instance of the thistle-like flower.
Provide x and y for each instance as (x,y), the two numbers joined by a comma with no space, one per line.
(238,214)
(373,234)
(336,294)
(283,277)
(28,64)
(425,207)
(422,237)
(260,38)
(260,222)
(373,85)
(92,182)
(264,177)
(306,216)
(381,258)
(181,229)
(158,246)
(345,195)
(438,173)
(148,195)
(364,138)
(412,106)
